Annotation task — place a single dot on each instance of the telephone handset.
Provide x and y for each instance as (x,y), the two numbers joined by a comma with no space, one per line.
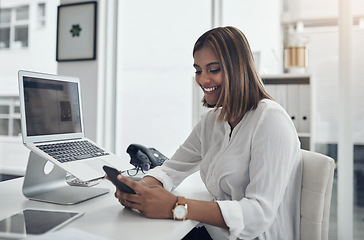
(140,154)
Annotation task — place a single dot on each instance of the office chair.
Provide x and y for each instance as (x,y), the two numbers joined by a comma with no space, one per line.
(317,179)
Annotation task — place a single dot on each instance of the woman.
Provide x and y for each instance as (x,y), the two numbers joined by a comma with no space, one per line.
(246,149)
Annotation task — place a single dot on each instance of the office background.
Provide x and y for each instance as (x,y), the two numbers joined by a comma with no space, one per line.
(140,87)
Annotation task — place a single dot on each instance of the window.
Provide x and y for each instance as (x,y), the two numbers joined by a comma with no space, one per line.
(9,116)
(14,27)
(41,17)
(5,16)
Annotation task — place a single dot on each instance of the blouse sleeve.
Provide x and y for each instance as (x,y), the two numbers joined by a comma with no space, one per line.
(274,154)
(183,163)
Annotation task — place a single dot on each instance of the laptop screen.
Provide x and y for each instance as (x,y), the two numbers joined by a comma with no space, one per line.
(51,107)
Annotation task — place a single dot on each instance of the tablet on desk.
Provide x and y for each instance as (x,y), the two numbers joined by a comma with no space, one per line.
(31,222)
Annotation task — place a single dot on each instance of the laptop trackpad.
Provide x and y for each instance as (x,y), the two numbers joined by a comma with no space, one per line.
(97,164)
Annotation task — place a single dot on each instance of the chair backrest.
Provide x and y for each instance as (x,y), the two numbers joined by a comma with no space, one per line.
(317,179)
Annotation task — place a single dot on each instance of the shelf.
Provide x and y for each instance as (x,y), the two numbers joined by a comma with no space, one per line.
(294,93)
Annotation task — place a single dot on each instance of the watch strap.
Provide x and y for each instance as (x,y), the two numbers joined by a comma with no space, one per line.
(181,201)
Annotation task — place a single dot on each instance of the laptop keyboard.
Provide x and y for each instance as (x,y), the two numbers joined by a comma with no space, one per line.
(72,151)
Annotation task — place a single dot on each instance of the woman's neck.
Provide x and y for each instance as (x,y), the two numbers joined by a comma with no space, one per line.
(234,123)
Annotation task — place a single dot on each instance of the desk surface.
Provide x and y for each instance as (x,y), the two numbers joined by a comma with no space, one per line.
(104,216)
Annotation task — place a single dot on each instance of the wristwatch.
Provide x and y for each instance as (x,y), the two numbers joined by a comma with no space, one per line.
(180,210)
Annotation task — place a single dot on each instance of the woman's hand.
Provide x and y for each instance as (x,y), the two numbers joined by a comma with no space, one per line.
(152,201)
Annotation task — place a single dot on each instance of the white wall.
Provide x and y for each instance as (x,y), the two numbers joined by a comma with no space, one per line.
(323,9)
(155,73)
(260,21)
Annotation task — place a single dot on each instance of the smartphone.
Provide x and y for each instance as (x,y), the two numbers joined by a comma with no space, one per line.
(112,173)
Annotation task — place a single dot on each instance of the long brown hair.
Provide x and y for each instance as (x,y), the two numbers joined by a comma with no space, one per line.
(242,89)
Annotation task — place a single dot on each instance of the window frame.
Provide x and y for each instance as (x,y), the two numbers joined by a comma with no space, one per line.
(13,24)
(12,102)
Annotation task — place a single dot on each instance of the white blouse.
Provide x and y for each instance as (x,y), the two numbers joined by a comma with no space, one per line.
(254,174)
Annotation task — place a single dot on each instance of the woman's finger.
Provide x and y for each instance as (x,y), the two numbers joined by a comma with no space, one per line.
(132,205)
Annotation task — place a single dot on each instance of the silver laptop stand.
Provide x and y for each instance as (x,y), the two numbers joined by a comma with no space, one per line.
(52,187)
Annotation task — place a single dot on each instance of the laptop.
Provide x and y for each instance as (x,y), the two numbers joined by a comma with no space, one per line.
(52,126)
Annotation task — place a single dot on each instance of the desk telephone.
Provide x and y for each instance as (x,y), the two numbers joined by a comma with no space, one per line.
(140,154)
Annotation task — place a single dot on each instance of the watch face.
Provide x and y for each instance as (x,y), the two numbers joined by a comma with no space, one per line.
(180,212)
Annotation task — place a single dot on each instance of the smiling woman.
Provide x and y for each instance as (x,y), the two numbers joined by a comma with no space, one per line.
(246,149)
(228,50)
(208,74)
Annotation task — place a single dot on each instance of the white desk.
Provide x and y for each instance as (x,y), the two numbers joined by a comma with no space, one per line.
(104,216)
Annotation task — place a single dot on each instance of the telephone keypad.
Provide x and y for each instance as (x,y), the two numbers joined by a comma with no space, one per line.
(159,156)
